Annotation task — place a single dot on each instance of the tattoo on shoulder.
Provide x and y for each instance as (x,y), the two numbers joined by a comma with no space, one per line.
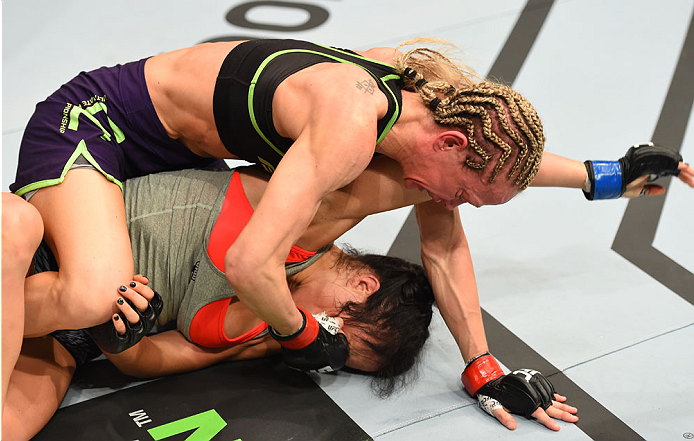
(368,86)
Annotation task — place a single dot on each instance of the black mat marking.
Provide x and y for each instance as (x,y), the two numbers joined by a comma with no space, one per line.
(634,239)
(256,400)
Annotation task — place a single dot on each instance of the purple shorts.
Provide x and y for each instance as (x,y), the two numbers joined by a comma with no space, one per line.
(107,117)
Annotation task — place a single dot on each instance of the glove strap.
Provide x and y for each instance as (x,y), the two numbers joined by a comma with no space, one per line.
(301,338)
(473,359)
(480,371)
(605,178)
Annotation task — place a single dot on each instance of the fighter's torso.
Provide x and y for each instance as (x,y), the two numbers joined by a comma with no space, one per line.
(217,98)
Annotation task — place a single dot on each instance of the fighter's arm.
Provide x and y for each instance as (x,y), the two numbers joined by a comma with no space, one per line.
(169,353)
(448,263)
(446,258)
(331,149)
(558,171)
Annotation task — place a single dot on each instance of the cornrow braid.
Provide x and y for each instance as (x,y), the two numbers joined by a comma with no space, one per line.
(492,115)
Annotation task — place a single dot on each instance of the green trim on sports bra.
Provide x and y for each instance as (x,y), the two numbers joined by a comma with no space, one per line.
(254,80)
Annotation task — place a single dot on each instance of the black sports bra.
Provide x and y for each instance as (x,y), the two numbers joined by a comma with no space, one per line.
(247,82)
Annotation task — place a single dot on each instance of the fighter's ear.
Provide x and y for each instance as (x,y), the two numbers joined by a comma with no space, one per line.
(451,139)
(366,283)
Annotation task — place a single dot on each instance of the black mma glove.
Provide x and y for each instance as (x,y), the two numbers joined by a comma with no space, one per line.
(609,179)
(109,340)
(313,347)
(521,392)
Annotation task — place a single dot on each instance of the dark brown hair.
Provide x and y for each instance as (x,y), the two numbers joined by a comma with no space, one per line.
(396,317)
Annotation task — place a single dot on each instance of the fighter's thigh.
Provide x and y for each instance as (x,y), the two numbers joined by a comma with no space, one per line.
(85,226)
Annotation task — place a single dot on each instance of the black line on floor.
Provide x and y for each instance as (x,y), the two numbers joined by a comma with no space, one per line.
(595,420)
(634,239)
(519,42)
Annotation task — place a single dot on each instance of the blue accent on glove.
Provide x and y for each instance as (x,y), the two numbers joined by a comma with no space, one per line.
(608,179)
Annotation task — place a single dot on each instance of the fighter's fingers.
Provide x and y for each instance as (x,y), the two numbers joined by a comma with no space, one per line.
(505,418)
(129,293)
(653,190)
(545,419)
(127,310)
(686,174)
(142,289)
(141,279)
(118,324)
(561,414)
(563,407)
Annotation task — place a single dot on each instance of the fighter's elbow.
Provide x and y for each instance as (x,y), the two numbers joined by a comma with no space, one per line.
(239,270)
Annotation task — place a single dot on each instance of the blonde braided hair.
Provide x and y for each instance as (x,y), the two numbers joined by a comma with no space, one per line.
(492,115)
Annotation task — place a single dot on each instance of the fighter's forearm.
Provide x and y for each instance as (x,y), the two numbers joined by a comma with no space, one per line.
(558,171)
(146,359)
(170,353)
(266,294)
(254,264)
(254,267)
(446,258)
(455,289)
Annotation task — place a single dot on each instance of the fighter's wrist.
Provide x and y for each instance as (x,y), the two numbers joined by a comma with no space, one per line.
(604,180)
(292,327)
(479,372)
(587,185)
(304,336)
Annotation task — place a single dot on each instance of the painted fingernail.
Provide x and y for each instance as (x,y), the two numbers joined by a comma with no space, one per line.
(122,288)
(120,301)
(116,317)
(133,284)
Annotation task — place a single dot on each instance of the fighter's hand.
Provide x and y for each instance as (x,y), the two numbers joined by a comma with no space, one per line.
(641,187)
(139,308)
(558,410)
(316,347)
(612,179)
(524,391)
(139,296)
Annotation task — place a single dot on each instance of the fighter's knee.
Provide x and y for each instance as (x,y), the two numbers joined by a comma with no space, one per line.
(22,227)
